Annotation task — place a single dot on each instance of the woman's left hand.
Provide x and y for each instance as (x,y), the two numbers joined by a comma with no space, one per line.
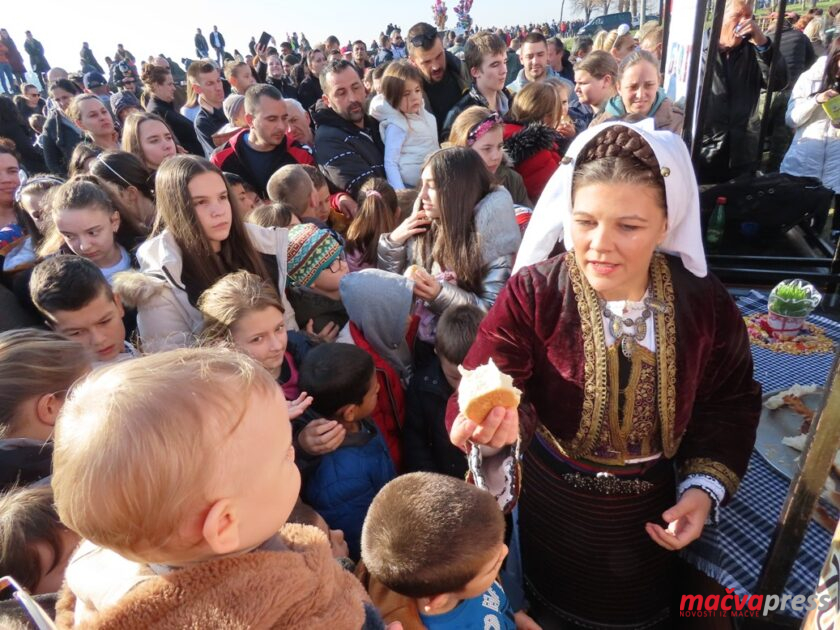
(686,520)
(426,287)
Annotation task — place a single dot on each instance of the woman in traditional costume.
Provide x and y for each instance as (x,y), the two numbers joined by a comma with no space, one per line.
(639,406)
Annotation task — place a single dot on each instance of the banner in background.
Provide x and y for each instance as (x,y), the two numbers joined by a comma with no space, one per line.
(678,56)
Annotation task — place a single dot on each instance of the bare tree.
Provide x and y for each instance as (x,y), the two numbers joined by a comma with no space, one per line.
(587,6)
(605,4)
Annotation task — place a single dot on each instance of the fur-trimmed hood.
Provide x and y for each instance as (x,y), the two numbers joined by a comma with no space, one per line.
(165,316)
(524,141)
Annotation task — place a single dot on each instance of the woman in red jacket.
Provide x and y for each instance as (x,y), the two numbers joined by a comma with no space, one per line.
(530,137)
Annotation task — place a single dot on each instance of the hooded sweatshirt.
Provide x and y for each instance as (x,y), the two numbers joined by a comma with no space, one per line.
(409,139)
(379,305)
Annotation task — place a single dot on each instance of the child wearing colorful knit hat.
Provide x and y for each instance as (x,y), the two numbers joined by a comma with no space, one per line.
(316,265)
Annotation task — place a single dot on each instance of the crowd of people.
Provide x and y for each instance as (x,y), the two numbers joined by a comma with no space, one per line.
(234,319)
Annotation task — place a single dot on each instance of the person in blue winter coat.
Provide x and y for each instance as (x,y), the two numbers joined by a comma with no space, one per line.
(342,382)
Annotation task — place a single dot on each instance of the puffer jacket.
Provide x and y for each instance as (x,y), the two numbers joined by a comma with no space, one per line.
(60,138)
(797,50)
(420,140)
(495,222)
(534,150)
(342,488)
(166,318)
(815,150)
(346,153)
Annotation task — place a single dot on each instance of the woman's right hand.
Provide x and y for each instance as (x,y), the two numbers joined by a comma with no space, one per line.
(415,224)
(321,436)
(500,428)
(826,96)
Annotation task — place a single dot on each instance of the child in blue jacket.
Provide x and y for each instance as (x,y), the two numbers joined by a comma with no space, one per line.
(342,382)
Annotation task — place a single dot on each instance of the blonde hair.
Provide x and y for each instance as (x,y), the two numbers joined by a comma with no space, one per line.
(277,214)
(231,298)
(534,102)
(599,41)
(136,444)
(34,363)
(466,122)
(291,184)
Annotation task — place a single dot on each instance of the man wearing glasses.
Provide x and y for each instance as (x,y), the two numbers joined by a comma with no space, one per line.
(31,103)
(443,76)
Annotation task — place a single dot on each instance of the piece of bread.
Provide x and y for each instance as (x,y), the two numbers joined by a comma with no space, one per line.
(482,389)
(410,271)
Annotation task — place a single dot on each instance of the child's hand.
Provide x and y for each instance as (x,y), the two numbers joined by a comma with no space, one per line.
(567,129)
(338,545)
(524,622)
(347,206)
(327,333)
(299,405)
(415,224)
(321,436)
(426,287)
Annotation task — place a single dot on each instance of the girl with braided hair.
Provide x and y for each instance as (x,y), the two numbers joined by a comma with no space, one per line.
(637,384)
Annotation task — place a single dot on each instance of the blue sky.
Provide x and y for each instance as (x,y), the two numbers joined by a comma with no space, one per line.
(157,26)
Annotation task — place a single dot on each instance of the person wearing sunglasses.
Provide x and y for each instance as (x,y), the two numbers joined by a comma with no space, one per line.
(444,80)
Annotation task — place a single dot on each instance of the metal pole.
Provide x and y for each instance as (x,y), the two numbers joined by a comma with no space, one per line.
(693,72)
(711,60)
(805,489)
(765,120)
(665,17)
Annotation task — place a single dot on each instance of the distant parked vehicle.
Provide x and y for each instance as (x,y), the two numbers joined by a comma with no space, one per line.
(605,23)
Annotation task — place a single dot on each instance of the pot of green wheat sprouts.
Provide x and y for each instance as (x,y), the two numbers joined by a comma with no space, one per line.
(790,303)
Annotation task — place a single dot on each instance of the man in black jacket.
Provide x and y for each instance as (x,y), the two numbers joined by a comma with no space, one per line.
(444,81)
(485,59)
(741,69)
(202,50)
(799,55)
(347,143)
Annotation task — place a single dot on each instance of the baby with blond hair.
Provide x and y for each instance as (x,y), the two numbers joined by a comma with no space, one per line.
(177,470)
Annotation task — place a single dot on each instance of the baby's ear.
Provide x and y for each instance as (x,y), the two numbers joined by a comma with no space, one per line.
(221,528)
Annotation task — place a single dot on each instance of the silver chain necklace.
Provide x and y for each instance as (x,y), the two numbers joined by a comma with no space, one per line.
(638,327)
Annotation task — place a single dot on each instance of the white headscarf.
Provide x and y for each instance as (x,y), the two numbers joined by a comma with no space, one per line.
(551,220)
